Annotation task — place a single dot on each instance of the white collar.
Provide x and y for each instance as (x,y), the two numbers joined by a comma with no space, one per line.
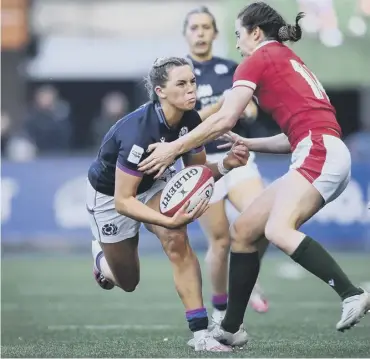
(263,43)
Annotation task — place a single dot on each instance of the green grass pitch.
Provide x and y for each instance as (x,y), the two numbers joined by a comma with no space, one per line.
(51,307)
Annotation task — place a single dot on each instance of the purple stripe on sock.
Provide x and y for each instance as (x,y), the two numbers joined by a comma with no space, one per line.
(97,260)
(219,299)
(196,313)
(129,171)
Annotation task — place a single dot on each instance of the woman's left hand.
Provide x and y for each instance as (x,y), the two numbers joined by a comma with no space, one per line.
(237,156)
(230,138)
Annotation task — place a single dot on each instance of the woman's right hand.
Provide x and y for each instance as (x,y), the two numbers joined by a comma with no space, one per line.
(182,217)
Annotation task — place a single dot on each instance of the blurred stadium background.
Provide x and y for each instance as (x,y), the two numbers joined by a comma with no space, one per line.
(71,68)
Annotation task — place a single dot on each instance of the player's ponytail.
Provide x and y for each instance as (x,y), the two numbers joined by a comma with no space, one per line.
(262,15)
(291,32)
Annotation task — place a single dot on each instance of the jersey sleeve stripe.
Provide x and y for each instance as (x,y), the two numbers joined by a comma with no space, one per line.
(245,83)
(197,150)
(129,170)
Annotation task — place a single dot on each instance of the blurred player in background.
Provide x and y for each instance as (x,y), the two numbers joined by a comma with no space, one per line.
(321,18)
(214,76)
(320,169)
(120,198)
(357,24)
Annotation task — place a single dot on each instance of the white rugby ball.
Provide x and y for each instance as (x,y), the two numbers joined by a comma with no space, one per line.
(193,184)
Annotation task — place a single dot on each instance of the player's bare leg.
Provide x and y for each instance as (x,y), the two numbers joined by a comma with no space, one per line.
(301,201)
(241,195)
(215,225)
(244,258)
(188,281)
(101,271)
(117,264)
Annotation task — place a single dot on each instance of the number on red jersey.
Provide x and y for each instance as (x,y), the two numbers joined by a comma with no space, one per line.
(311,79)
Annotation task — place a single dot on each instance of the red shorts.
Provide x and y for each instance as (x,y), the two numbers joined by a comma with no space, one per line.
(324,160)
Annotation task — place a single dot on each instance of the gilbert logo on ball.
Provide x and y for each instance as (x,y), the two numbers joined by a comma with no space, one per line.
(193,184)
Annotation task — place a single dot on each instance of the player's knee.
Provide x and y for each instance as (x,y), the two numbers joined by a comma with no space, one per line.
(242,232)
(220,244)
(275,233)
(176,245)
(128,281)
(243,236)
(129,287)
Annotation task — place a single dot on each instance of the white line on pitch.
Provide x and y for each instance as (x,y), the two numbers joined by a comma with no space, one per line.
(59,307)
(112,327)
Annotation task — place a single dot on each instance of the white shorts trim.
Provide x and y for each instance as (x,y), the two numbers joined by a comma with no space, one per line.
(234,177)
(325,161)
(107,225)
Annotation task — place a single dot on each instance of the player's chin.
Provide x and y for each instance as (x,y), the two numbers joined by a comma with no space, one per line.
(202,50)
(189,105)
(244,53)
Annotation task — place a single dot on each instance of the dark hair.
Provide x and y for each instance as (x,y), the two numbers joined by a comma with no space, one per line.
(200,10)
(158,74)
(270,22)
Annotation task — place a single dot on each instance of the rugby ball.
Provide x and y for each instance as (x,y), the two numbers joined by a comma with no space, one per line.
(193,184)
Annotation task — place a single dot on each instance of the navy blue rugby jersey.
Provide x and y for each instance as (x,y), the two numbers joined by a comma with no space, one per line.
(126,143)
(213,78)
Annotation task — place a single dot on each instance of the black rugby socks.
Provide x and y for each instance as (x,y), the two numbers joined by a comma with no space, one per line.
(219,301)
(244,269)
(197,319)
(314,258)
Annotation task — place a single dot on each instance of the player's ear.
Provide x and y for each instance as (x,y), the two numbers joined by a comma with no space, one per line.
(159,91)
(257,32)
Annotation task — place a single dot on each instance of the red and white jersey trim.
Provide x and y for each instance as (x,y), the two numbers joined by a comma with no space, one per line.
(245,83)
(264,43)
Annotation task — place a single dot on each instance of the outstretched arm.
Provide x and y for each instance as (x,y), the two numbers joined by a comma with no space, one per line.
(274,144)
(217,124)
(209,110)
(238,156)
(224,120)
(250,112)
